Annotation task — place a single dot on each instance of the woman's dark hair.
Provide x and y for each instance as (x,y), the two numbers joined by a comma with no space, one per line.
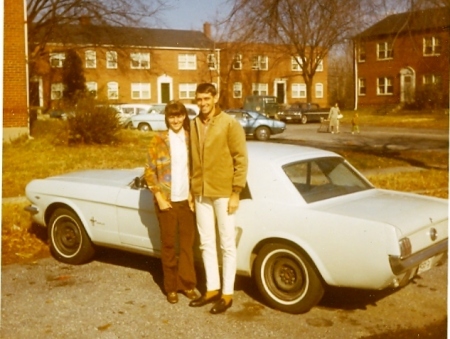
(174,107)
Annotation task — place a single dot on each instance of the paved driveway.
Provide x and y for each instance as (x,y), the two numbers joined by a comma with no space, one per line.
(370,137)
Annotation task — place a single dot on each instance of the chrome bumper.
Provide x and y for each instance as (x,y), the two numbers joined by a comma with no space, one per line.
(400,266)
(32,209)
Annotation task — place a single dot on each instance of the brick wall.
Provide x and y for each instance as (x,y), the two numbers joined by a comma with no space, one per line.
(407,53)
(15,113)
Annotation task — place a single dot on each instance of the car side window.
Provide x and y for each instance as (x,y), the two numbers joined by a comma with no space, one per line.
(128,110)
(236,115)
(324,178)
(245,193)
(140,110)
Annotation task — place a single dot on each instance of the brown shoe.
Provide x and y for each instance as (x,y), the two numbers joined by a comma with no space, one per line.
(191,294)
(221,306)
(172,297)
(201,301)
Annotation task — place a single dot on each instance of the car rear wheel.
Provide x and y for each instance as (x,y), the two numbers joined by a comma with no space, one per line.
(144,127)
(262,133)
(304,119)
(287,279)
(69,241)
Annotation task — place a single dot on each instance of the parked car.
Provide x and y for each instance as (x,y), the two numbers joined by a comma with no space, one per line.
(303,112)
(61,114)
(126,111)
(257,125)
(266,105)
(307,219)
(154,119)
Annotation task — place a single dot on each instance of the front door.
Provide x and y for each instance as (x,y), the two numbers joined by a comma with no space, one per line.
(280,93)
(407,85)
(280,90)
(165,92)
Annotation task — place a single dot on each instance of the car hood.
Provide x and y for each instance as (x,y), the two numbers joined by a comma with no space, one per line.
(119,177)
(408,212)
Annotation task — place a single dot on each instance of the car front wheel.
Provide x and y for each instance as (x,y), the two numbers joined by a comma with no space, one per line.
(304,119)
(69,242)
(144,127)
(262,133)
(287,279)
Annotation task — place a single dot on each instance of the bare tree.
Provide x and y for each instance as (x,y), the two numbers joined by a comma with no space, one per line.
(306,29)
(44,16)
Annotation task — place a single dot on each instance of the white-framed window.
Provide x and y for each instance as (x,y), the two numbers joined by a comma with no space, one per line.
(319,67)
(298,91)
(113,90)
(140,60)
(432,79)
(296,64)
(384,50)
(187,90)
(91,87)
(237,90)
(237,61)
(140,91)
(187,61)
(385,86)
(57,59)
(260,62)
(90,59)
(362,89)
(431,46)
(260,89)
(57,90)
(319,90)
(111,59)
(362,53)
(211,59)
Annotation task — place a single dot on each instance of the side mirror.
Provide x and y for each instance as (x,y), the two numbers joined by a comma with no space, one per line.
(137,182)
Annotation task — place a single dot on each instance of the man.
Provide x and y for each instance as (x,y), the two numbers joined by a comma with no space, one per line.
(219,171)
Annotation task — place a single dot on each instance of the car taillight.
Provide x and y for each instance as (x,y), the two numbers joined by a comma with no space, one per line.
(405,247)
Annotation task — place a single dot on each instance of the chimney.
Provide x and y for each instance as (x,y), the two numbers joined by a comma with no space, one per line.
(207,29)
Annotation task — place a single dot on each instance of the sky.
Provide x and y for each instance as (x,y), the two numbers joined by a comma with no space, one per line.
(191,14)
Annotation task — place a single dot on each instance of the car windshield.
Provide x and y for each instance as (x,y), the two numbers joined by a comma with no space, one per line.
(324,178)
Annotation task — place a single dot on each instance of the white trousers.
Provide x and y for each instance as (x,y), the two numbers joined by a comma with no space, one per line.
(208,210)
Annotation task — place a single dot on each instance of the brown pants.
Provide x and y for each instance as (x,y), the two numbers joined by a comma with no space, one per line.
(178,223)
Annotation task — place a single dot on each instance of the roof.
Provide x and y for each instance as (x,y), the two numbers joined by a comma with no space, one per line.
(129,36)
(418,21)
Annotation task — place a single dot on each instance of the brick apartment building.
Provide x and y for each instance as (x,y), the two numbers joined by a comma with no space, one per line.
(265,69)
(124,64)
(15,89)
(142,65)
(402,57)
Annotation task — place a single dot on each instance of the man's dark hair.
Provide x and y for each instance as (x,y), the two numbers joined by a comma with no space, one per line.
(206,87)
(175,107)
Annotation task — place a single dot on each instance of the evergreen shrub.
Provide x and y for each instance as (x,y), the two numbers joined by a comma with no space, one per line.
(92,123)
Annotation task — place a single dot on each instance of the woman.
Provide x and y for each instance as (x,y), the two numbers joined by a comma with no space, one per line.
(167,176)
(333,117)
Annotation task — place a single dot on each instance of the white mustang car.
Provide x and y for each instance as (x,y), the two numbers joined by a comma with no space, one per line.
(307,220)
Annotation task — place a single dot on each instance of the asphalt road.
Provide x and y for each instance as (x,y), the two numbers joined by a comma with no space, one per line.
(119,295)
(375,138)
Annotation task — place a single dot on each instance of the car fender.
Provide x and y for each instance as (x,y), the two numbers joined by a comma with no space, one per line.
(87,212)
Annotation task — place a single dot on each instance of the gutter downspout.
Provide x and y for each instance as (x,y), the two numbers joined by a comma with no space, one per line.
(27,75)
(355,72)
